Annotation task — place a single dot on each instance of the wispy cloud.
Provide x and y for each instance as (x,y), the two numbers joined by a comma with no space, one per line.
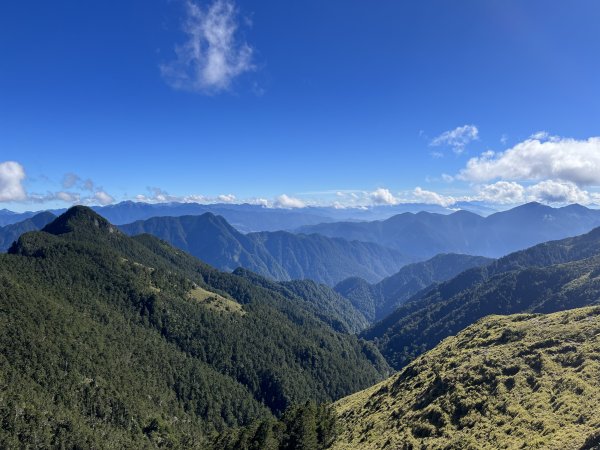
(457,138)
(214,54)
(12,189)
(72,180)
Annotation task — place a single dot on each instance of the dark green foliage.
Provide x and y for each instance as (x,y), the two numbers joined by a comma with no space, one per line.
(548,277)
(323,301)
(376,301)
(277,255)
(10,233)
(103,344)
(303,427)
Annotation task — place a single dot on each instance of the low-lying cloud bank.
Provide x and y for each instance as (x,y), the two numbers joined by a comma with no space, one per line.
(543,168)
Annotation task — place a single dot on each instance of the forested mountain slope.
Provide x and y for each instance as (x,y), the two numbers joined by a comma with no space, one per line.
(378,300)
(10,233)
(521,381)
(117,342)
(549,277)
(278,255)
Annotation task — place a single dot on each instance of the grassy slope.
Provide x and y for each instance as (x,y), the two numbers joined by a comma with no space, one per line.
(505,382)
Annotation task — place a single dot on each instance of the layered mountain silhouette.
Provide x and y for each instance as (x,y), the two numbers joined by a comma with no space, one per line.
(279,255)
(378,300)
(549,277)
(427,234)
(10,233)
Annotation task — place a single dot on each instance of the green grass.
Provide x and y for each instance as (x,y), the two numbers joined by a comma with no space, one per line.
(521,381)
(215,301)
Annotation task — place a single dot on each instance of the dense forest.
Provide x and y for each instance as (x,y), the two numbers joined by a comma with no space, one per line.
(376,301)
(110,341)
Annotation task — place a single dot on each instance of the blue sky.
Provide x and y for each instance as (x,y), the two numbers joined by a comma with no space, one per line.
(292,103)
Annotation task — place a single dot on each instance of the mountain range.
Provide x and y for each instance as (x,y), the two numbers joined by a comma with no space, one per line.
(376,301)
(10,233)
(247,217)
(424,234)
(549,277)
(279,255)
(108,338)
(112,340)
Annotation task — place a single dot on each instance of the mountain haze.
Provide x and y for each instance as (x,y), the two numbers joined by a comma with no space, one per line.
(427,234)
(549,277)
(10,233)
(279,255)
(378,300)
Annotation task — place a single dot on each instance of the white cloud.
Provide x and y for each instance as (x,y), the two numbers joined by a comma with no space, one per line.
(158,195)
(284,201)
(63,196)
(213,55)
(432,198)
(575,161)
(502,192)
(12,175)
(382,196)
(457,138)
(550,191)
(259,201)
(102,198)
(547,191)
(226,198)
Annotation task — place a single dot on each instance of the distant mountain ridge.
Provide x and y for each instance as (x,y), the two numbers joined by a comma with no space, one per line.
(10,233)
(249,217)
(427,234)
(279,255)
(548,277)
(378,300)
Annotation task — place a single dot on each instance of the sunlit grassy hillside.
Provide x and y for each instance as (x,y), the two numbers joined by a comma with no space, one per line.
(521,381)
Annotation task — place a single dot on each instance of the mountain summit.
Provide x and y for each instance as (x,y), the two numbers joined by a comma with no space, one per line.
(80,219)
